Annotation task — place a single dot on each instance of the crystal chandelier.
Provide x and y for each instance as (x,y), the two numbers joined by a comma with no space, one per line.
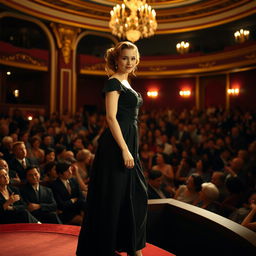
(134,19)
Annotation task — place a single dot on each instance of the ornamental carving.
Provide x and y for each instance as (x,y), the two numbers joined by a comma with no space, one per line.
(157,68)
(66,37)
(99,66)
(207,64)
(24,58)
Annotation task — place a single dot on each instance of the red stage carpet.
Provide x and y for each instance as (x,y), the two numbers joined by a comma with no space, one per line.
(48,240)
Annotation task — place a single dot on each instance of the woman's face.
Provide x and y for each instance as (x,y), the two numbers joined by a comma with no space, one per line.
(127,61)
(50,157)
(4,177)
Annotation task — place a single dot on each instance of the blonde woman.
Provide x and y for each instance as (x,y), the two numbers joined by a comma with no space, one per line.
(117,194)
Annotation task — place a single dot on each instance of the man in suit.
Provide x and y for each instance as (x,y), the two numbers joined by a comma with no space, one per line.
(155,185)
(20,162)
(39,199)
(68,195)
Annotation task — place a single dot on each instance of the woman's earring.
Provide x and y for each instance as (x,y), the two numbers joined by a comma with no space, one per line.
(116,67)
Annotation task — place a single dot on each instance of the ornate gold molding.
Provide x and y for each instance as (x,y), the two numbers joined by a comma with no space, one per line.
(66,36)
(24,58)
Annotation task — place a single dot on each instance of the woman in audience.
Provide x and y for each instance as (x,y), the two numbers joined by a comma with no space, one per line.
(12,207)
(190,192)
(36,154)
(166,169)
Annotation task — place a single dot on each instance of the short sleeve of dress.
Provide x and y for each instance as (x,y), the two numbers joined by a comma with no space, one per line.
(111,85)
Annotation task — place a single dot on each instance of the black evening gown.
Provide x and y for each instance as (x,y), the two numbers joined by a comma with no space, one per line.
(117,196)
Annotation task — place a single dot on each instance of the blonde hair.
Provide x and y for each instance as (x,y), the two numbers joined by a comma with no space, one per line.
(83,154)
(112,54)
(210,190)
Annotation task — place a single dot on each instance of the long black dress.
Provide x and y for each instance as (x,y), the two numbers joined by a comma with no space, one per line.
(117,197)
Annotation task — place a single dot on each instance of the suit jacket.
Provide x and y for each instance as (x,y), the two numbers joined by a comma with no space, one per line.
(16,166)
(45,197)
(62,195)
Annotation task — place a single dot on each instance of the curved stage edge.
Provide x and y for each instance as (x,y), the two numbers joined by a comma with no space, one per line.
(49,239)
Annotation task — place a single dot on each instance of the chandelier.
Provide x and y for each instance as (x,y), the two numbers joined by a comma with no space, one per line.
(134,19)
(242,35)
(182,47)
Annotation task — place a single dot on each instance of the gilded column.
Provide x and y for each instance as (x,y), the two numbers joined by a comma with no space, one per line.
(65,37)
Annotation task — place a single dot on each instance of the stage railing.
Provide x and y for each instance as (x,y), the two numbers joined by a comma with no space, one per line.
(184,229)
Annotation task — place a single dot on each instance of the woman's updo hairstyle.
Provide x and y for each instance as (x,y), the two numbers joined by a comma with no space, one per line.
(113,53)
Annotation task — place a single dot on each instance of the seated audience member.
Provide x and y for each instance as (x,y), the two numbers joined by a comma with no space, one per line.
(83,163)
(39,199)
(250,221)
(190,192)
(47,142)
(12,207)
(60,152)
(203,169)
(68,196)
(20,162)
(14,179)
(235,197)
(208,197)
(6,148)
(155,185)
(50,174)
(237,169)
(185,167)
(218,179)
(35,153)
(166,169)
(239,214)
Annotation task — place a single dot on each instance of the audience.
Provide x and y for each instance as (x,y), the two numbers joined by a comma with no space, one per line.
(188,148)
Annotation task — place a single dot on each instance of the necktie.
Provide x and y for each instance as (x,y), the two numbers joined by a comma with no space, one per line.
(23,163)
(68,187)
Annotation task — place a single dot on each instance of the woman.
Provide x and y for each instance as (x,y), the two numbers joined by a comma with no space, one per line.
(117,195)
(36,154)
(12,207)
(165,168)
(190,193)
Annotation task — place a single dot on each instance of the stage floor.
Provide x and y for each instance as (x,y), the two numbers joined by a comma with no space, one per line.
(40,239)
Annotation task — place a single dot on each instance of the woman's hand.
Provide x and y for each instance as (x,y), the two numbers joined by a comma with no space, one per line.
(128,159)
(13,198)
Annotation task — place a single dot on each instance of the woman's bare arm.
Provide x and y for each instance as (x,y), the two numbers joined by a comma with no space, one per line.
(111,101)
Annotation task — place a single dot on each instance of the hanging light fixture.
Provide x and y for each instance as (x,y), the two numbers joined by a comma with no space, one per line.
(182,47)
(134,19)
(242,35)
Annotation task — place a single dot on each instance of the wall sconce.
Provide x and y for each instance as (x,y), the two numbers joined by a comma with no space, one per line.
(242,35)
(8,73)
(185,93)
(30,117)
(234,91)
(182,47)
(16,93)
(152,94)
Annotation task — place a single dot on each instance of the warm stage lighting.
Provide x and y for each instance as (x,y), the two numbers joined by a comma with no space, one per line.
(152,94)
(234,91)
(185,93)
